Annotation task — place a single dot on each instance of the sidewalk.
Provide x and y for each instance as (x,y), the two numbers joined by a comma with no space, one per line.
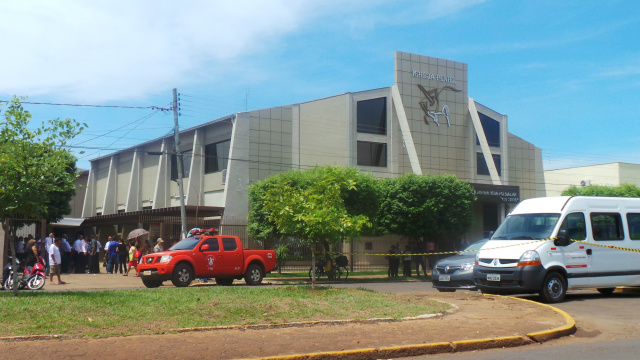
(477,322)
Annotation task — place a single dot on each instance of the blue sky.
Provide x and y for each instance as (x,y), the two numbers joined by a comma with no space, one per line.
(566,73)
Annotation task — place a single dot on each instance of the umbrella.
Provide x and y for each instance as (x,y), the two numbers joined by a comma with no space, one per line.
(135,233)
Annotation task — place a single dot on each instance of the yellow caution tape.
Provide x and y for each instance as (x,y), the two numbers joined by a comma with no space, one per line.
(606,246)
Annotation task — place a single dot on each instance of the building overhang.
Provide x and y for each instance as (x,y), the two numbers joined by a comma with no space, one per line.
(144,216)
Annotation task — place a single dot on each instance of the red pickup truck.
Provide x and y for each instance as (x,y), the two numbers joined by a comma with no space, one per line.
(221,257)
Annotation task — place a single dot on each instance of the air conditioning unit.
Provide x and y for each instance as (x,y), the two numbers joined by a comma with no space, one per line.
(585,182)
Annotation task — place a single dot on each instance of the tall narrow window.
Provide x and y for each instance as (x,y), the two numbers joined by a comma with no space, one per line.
(216,156)
(372,116)
(483,169)
(491,129)
(372,154)
(186,164)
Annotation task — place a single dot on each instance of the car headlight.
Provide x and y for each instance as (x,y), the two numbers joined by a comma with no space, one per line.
(530,257)
(165,258)
(466,267)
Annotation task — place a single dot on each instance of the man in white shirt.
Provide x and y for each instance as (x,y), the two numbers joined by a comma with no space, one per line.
(55,259)
(47,244)
(80,261)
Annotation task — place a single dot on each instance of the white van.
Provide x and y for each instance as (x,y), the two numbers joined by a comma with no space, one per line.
(519,258)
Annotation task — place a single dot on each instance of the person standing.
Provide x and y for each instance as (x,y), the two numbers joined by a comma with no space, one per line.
(80,261)
(48,241)
(20,248)
(55,259)
(418,258)
(111,255)
(94,257)
(65,250)
(406,262)
(134,255)
(158,247)
(123,256)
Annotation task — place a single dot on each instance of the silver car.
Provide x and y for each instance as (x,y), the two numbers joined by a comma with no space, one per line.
(456,272)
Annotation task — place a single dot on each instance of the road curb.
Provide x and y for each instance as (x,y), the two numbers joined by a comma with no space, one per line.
(445,347)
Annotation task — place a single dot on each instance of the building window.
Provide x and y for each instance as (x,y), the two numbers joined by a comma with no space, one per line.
(491,129)
(482,167)
(372,116)
(216,156)
(186,164)
(372,154)
(606,226)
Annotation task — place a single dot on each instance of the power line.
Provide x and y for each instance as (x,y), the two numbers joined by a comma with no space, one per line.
(92,105)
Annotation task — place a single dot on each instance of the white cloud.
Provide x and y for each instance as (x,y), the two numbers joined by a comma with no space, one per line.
(115,50)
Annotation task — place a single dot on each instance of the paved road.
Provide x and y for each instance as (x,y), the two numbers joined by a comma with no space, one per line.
(608,328)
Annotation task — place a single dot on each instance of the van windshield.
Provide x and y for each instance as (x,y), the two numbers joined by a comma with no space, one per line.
(526,227)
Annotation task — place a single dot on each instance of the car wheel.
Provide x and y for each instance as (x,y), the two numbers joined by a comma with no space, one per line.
(554,288)
(606,291)
(224,281)
(253,275)
(152,283)
(182,275)
(446,290)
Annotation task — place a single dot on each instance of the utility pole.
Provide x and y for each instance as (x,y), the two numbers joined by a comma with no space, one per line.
(176,133)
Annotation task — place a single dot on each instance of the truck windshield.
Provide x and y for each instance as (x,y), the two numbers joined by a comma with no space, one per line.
(186,244)
(526,227)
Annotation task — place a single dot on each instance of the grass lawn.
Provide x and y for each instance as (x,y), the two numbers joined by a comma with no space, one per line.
(152,311)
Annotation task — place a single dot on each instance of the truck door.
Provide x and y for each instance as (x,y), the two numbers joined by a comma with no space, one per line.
(208,260)
(577,256)
(231,255)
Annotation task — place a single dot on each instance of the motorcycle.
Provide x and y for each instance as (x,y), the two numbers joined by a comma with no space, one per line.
(32,279)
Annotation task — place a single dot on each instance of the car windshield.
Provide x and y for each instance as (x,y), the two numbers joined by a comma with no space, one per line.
(186,244)
(526,227)
(473,247)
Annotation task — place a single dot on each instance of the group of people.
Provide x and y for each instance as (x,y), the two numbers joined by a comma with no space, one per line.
(83,256)
(397,257)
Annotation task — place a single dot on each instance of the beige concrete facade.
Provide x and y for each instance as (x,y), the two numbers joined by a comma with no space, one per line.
(611,174)
(429,126)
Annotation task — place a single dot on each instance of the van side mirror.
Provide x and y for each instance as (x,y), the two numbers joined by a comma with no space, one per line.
(562,239)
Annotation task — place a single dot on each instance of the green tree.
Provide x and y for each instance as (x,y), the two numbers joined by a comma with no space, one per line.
(34,168)
(321,206)
(624,190)
(428,207)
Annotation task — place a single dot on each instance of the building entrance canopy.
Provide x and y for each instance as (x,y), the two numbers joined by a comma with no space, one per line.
(135,217)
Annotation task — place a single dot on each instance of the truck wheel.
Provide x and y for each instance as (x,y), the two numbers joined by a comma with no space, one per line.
(151,283)
(182,275)
(224,281)
(253,275)
(554,288)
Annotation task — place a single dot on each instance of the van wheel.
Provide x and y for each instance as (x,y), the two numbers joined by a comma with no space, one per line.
(554,288)
(606,291)
(182,275)
(446,290)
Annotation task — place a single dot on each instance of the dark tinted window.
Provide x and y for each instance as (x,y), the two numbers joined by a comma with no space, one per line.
(372,116)
(491,130)
(606,226)
(229,244)
(482,167)
(213,244)
(372,154)
(575,226)
(216,156)
(186,165)
(633,220)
